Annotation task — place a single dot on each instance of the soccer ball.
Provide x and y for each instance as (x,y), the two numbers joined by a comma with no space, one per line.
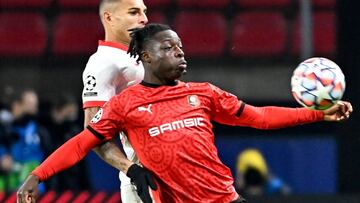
(317,83)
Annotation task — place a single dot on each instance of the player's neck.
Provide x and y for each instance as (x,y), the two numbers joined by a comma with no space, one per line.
(113,38)
(154,85)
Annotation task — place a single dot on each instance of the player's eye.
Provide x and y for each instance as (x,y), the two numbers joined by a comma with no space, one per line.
(167,48)
(133,13)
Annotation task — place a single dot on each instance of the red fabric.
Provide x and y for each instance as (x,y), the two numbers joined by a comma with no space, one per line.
(170,126)
(67,155)
(277,117)
(114,45)
(89,104)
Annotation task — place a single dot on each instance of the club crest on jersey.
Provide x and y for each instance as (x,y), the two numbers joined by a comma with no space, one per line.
(193,100)
(97,116)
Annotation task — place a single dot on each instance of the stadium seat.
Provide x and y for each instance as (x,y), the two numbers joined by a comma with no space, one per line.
(263,3)
(324,3)
(48,197)
(327,4)
(202,3)
(65,197)
(154,4)
(324,34)
(203,34)
(78,3)
(258,34)
(157,17)
(114,198)
(22,34)
(24,3)
(76,34)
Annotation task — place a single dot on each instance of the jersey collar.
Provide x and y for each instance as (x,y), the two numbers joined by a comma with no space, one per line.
(114,45)
(146,84)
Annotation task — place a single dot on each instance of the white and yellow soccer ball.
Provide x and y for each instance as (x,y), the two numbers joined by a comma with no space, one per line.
(317,83)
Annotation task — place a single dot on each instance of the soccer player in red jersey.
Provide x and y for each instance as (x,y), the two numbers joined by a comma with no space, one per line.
(168,123)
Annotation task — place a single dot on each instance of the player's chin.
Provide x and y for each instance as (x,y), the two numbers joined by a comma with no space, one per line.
(179,72)
(130,30)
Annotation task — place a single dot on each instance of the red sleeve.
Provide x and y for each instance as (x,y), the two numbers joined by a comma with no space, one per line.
(89,104)
(276,117)
(67,155)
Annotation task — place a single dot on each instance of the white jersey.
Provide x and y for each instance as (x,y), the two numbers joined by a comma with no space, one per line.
(109,71)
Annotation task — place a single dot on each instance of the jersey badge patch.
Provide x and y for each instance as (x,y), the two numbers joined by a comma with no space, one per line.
(193,100)
(97,116)
(90,83)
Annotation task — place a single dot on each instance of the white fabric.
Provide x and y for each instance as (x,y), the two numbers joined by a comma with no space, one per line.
(109,71)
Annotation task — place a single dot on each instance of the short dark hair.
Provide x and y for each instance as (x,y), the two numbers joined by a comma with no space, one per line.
(103,4)
(140,36)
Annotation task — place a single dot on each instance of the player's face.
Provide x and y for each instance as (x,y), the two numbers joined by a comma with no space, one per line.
(167,57)
(128,14)
(30,103)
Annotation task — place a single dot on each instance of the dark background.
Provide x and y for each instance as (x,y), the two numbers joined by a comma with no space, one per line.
(257,80)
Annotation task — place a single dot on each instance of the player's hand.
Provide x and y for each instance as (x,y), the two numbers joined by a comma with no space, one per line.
(338,112)
(28,192)
(142,179)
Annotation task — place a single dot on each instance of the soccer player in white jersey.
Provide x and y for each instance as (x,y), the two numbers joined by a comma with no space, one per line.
(109,71)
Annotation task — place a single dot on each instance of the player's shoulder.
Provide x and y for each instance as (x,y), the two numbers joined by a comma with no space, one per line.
(199,85)
(129,96)
(108,58)
(131,91)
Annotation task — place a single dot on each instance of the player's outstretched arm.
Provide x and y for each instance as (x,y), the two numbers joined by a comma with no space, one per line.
(338,112)
(108,151)
(75,150)
(270,117)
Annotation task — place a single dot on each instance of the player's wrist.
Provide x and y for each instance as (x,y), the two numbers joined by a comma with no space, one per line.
(133,170)
(33,178)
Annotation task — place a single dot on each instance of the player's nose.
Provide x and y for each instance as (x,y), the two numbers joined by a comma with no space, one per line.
(143,18)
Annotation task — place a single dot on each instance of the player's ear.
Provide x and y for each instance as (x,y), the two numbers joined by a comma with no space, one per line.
(107,17)
(146,57)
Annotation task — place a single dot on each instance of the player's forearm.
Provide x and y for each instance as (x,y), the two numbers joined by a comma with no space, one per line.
(89,113)
(67,155)
(112,155)
(278,117)
(108,151)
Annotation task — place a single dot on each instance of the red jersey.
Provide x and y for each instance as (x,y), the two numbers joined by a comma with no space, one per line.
(170,130)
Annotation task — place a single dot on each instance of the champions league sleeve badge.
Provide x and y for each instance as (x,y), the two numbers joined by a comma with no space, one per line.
(97,116)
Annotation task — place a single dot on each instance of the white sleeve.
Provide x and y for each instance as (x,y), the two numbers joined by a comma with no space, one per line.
(98,82)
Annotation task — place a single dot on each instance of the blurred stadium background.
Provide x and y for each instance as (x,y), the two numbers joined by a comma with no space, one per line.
(248,47)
